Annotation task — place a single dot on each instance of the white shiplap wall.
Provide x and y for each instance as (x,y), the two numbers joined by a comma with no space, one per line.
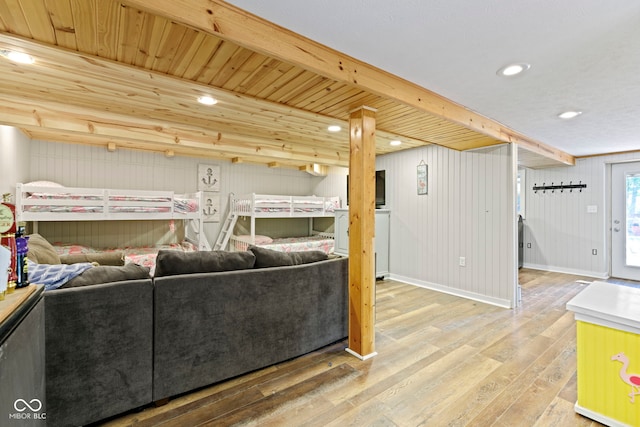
(557,226)
(14,158)
(334,184)
(87,166)
(469,212)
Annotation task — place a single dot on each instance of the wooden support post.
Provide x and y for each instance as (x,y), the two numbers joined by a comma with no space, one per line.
(362,170)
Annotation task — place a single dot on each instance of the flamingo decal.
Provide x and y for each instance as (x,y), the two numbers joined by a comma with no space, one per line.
(632,379)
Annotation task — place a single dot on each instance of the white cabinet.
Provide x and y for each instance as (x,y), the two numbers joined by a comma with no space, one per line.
(381,241)
(341,232)
(22,363)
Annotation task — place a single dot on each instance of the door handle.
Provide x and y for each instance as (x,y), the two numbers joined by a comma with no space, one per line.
(616,222)
(616,229)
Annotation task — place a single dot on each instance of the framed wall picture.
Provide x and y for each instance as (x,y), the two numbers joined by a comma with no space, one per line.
(208,177)
(423,178)
(211,207)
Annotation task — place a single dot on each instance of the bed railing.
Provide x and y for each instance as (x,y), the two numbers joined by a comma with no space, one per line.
(279,206)
(40,203)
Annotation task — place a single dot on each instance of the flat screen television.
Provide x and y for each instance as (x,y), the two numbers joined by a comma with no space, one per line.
(381,190)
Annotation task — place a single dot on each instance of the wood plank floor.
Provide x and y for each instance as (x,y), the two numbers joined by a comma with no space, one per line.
(442,361)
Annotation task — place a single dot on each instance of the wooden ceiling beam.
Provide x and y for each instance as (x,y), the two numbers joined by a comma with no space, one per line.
(315,169)
(103,141)
(98,83)
(231,23)
(75,120)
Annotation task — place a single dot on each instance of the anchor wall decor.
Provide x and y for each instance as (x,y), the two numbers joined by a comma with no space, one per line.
(208,177)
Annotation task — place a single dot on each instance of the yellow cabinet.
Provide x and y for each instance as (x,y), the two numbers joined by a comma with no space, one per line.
(608,353)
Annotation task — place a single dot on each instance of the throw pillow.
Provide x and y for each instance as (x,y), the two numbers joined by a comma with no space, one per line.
(306,257)
(102,258)
(41,251)
(270,258)
(170,263)
(44,184)
(108,274)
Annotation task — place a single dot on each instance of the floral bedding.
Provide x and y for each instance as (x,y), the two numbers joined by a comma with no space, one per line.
(287,204)
(179,205)
(292,244)
(144,256)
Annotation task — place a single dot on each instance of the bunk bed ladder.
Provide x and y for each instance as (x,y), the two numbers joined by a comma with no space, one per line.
(225,232)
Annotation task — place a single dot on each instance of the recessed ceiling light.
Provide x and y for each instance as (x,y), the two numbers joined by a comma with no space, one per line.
(207,100)
(569,114)
(513,69)
(334,128)
(395,143)
(19,57)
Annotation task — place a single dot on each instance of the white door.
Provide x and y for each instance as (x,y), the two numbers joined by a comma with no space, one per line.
(625,218)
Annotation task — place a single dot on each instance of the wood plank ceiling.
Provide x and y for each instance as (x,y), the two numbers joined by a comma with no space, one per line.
(108,73)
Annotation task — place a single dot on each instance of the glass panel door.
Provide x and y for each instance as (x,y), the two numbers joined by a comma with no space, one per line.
(625,227)
(632,184)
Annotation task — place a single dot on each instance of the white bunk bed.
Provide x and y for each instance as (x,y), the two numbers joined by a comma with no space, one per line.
(256,206)
(39,203)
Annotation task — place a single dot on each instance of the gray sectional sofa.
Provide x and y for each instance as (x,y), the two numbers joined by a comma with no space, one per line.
(98,351)
(118,346)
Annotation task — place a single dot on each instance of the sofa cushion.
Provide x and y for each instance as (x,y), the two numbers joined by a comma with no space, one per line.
(41,251)
(170,263)
(107,274)
(98,350)
(102,258)
(270,258)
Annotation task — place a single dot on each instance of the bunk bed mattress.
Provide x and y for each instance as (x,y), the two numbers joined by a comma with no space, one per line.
(302,205)
(291,244)
(308,243)
(284,206)
(180,205)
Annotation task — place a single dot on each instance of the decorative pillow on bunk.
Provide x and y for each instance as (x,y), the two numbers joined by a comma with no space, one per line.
(50,184)
(270,258)
(170,263)
(73,249)
(260,240)
(44,184)
(108,274)
(41,251)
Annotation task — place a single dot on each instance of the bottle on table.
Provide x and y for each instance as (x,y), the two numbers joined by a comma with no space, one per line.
(22,274)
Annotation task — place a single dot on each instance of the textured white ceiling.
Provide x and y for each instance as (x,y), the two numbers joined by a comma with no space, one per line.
(584,55)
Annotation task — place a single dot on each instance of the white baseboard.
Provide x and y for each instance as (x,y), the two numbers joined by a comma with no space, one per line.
(573,271)
(500,302)
(598,417)
(359,356)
